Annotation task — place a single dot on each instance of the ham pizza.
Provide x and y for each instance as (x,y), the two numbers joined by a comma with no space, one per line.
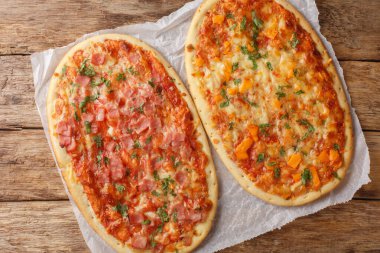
(270,99)
(131,146)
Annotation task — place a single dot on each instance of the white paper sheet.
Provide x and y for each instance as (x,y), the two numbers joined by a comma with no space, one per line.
(240,216)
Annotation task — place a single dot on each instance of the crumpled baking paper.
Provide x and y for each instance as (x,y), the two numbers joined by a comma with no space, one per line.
(240,216)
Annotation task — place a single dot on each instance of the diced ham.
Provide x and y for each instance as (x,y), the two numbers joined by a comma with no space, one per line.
(195,216)
(88,117)
(181,178)
(100,114)
(173,137)
(156,123)
(127,142)
(72,145)
(64,129)
(185,151)
(141,124)
(134,57)
(104,175)
(94,128)
(113,114)
(147,185)
(97,59)
(83,80)
(187,240)
(64,141)
(117,168)
(136,218)
(139,241)
(110,146)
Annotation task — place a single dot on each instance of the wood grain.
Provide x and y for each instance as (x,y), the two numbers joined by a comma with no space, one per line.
(51,227)
(17,92)
(352,26)
(28,172)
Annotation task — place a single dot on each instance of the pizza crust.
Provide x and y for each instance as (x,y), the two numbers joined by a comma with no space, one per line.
(74,186)
(204,112)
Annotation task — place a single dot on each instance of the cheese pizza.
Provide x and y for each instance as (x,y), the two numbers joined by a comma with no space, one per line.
(270,99)
(131,147)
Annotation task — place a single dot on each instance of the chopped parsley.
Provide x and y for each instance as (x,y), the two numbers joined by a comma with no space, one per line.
(299,92)
(260,158)
(244,50)
(140,109)
(272,163)
(294,42)
(86,100)
(227,100)
(121,77)
(243,24)
(134,155)
(232,27)
(119,187)
(122,209)
(174,217)
(282,151)
(148,140)
(146,222)
(165,184)
(151,83)
(106,160)
(155,193)
(99,158)
(335,174)
(155,175)
(280,94)
(287,126)
(136,144)
(237,81)
(64,70)
(269,65)
(86,70)
(161,212)
(87,125)
(98,141)
(305,176)
(336,147)
(76,117)
(250,102)
(231,125)
(277,172)
(132,71)
(230,15)
(263,127)
(310,127)
(258,23)
(235,66)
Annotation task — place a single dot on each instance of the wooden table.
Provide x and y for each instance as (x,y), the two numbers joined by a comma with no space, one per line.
(35,215)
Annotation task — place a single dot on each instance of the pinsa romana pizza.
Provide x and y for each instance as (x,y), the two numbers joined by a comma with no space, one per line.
(131,146)
(270,99)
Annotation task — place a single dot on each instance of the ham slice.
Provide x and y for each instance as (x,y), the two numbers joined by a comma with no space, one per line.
(139,241)
(100,114)
(147,185)
(97,59)
(83,80)
(88,117)
(117,168)
(181,178)
(136,218)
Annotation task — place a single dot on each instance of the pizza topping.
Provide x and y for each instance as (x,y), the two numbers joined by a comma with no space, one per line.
(270,96)
(133,145)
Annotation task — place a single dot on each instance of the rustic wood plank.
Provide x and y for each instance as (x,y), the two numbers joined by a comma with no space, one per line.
(27,169)
(17,92)
(50,227)
(352,26)
(352,227)
(39,227)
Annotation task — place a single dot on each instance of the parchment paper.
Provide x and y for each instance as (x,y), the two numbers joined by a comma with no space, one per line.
(240,216)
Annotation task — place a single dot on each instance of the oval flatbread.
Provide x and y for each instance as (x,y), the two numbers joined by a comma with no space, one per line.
(131,147)
(270,99)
